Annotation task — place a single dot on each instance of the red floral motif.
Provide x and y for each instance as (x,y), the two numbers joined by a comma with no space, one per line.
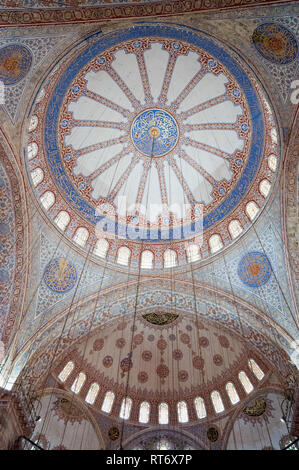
(138,339)
(122,326)
(98,344)
(185,338)
(199,325)
(203,342)
(218,360)
(162,371)
(146,355)
(198,362)
(183,375)
(107,361)
(126,364)
(177,354)
(120,343)
(223,341)
(162,344)
(142,377)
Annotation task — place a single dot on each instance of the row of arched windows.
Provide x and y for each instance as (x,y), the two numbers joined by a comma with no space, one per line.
(163,409)
(81,236)
(147,257)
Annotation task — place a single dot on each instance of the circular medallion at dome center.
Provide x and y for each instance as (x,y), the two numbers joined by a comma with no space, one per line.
(154,132)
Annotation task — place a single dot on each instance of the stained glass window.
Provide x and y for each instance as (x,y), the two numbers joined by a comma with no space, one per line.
(66,371)
(147,259)
(144,412)
(125,409)
(108,402)
(123,255)
(200,407)
(32,150)
(247,385)
(163,444)
(265,187)
(33,123)
(193,253)
(232,393)
(170,259)
(217,401)
(101,248)
(272,162)
(81,236)
(256,369)
(47,200)
(252,210)
(78,382)
(62,220)
(215,243)
(92,393)
(163,413)
(235,228)
(182,412)
(37,176)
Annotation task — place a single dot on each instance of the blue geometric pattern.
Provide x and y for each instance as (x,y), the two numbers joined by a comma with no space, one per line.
(254,269)
(275,43)
(15,62)
(60,275)
(137,32)
(154,132)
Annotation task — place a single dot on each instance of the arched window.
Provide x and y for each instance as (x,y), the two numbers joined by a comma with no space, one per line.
(81,236)
(170,259)
(182,412)
(101,248)
(274,135)
(108,402)
(32,150)
(256,369)
(264,187)
(247,385)
(217,401)
(232,393)
(47,200)
(272,162)
(66,371)
(200,407)
(40,95)
(92,393)
(147,259)
(33,123)
(78,382)
(37,176)
(62,220)
(235,228)
(193,253)
(215,243)
(252,210)
(125,409)
(163,413)
(123,255)
(144,412)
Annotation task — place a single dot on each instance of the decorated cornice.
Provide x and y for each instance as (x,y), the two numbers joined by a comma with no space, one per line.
(26,16)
